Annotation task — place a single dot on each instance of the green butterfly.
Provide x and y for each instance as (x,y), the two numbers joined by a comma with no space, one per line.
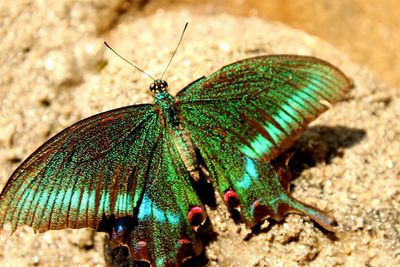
(136,166)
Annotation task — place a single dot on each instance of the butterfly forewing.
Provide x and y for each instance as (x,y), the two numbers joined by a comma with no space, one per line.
(248,113)
(96,167)
(261,104)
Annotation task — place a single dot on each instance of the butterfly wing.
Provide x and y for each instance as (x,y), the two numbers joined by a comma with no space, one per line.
(121,163)
(249,112)
(164,234)
(95,167)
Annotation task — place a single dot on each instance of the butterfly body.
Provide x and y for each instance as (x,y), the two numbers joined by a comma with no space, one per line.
(166,109)
(135,165)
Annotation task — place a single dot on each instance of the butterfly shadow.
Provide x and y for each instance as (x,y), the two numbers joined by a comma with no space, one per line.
(321,144)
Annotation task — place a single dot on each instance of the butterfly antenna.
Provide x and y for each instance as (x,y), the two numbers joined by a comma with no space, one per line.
(130,63)
(183,32)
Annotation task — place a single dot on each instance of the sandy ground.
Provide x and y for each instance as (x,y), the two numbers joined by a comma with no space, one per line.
(55,70)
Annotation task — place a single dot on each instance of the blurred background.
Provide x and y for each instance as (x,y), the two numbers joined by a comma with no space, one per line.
(366,30)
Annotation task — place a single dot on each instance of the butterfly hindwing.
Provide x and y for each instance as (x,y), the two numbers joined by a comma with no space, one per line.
(247,113)
(164,235)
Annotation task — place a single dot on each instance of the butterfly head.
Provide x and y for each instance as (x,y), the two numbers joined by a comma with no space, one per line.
(158,86)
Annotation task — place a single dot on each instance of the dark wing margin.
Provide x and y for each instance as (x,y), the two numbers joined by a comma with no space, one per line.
(89,170)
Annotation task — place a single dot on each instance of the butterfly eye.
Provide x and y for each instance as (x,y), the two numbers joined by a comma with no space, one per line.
(153,87)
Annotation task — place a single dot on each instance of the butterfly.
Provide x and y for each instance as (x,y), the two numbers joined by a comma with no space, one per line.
(137,167)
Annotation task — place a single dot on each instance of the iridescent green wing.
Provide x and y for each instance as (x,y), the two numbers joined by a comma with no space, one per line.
(169,211)
(95,167)
(247,113)
(120,163)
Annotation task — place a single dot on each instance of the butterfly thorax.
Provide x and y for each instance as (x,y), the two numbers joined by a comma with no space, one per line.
(166,109)
(168,114)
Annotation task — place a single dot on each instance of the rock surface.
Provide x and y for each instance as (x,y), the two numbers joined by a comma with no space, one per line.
(55,71)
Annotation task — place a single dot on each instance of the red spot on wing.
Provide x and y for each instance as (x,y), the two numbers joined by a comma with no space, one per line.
(196,217)
(232,199)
